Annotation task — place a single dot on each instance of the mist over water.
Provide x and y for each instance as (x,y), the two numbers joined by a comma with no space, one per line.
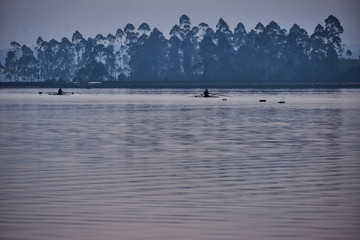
(160,164)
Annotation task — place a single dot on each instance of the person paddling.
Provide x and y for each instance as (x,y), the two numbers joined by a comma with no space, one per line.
(206,93)
(60,91)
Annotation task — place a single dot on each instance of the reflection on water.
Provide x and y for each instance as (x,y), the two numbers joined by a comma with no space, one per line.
(160,164)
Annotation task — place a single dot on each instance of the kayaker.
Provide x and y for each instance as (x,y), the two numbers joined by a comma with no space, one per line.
(206,93)
(60,91)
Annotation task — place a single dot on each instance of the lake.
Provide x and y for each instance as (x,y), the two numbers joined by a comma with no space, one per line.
(160,164)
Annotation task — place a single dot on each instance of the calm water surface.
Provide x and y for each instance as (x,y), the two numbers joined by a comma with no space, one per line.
(161,164)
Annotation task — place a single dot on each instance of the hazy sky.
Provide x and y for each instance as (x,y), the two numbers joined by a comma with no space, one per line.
(25,20)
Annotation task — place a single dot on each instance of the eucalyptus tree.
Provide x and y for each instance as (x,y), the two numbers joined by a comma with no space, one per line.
(65,60)
(223,31)
(119,35)
(16,48)
(11,61)
(296,54)
(50,61)
(184,25)
(174,70)
(120,52)
(130,45)
(224,51)
(27,65)
(144,31)
(202,30)
(40,57)
(333,30)
(240,36)
(242,51)
(131,35)
(318,53)
(256,42)
(188,48)
(273,39)
(208,55)
(318,44)
(148,58)
(79,48)
(176,32)
(11,66)
(225,56)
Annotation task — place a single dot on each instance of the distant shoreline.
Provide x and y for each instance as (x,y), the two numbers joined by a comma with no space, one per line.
(144,84)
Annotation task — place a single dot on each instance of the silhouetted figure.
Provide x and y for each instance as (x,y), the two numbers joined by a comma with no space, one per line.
(60,91)
(206,93)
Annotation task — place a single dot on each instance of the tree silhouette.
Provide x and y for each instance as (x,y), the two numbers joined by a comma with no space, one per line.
(349,53)
(263,54)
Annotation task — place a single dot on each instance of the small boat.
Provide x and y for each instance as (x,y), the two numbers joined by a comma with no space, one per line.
(206,94)
(56,93)
(209,96)
(262,100)
(64,93)
(282,101)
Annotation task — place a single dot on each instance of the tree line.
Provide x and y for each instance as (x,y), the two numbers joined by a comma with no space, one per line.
(191,53)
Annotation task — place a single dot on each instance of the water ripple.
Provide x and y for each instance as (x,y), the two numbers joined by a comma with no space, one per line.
(162,165)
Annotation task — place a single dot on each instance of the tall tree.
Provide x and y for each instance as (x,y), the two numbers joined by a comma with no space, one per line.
(11,66)
(318,53)
(223,31)
(240,36)
(225,54)
(184,25)
(296,54)
(208,54)
(28,65)
(120,53)
(147,61)
(174,58)
(79,49)
(273,39)
(129,47)
(333,30)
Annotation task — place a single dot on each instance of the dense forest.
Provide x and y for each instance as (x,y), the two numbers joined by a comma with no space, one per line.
(192,53)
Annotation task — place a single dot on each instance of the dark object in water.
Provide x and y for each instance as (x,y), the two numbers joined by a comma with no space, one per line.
(63,93)
(262,100)
(56,93)
(209,96)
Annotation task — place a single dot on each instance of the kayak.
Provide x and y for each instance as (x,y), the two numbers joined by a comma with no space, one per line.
(210,96)
(56,93)
(64,93)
